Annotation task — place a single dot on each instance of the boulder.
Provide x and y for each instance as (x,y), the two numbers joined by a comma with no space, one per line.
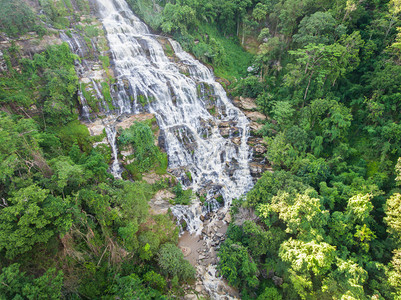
(255,126)
(247,103)
(255,116)
(186,251)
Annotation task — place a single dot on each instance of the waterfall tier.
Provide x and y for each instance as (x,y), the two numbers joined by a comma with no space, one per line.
(181,102)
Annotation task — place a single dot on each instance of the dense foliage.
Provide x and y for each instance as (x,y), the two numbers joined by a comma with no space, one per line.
(325,224)
(68,229)
(17,18)
(327,75)
(146,154)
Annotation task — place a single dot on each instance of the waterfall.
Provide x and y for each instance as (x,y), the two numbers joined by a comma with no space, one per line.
(205,134)
(115,168)
(182,114)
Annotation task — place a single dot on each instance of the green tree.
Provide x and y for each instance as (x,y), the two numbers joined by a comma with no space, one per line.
(17,18)
(19,148)
(270,294)
(131,287)
(237,266)
(309,263)
(319,63)
(393,216)
(17,285)
(171,261)
(178,17)
(32,216)
(318,28)
(346,281)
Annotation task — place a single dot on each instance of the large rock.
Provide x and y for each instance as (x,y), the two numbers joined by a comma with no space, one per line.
(3,65)
(245,214)
(255,116)
(257,169)
(245,103)
(186,251)
(96,127)
(31,43)
(255,126)
(127,122)
(160,203)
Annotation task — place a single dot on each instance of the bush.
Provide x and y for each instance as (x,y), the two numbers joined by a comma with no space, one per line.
(155,280)
(16,18)
(249,87)
(146,153)
(172,262)
(182,196)
(17,285)
(237,266)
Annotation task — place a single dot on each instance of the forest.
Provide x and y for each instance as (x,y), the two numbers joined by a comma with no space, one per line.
(325,223)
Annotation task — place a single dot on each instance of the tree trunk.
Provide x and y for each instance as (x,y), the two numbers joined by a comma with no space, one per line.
(307,88)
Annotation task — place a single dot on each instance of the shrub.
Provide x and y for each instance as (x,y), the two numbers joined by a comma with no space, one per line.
(172,262)
(16,18)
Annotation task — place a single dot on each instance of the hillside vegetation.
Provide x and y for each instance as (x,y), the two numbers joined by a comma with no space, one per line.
(324,225)
(68,229)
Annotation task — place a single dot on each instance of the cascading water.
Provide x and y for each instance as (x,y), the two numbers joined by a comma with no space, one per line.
(115,168)
(191,109)
(173,97)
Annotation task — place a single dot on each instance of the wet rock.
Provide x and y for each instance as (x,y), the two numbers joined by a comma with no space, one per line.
(236,140)
(144,46)
(183,69)
(260,149)
(235,132)
(199,288)
(225,132)
(227,218)
(161,141)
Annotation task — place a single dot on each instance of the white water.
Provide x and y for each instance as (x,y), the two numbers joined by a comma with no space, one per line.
(111,133)
(177,94)
(140,60)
